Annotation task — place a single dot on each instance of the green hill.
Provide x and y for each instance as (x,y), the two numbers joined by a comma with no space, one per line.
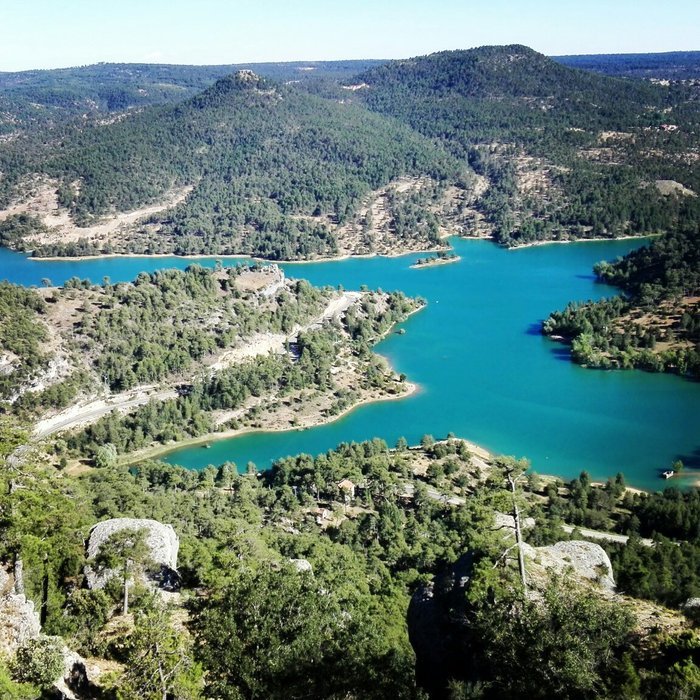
(498,141)
(566,153)
(274,169)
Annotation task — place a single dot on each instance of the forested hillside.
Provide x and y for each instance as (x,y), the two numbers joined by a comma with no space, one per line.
(498,141)
(656,324)
(566,153)
(274,170)
(315,574)
(192,352)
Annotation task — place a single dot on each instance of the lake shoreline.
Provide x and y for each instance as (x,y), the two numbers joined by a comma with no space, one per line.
(157,451)
(536,244)
(231,256)
(336,258)
(474,383)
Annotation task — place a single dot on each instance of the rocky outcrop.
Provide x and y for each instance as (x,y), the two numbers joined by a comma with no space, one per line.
(301,565)
(438,621)
(584,561)
(163,545)
(691,609)
(19,623)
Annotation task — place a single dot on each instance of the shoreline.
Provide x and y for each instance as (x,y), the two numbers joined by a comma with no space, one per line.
(336,258)
(157,451)
(411,389)
(535,244)
(479,451)
(228,256)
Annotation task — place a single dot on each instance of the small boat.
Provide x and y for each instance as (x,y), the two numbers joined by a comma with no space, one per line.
(207,446)
(668,474)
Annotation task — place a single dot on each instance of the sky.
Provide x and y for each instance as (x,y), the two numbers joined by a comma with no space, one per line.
(62,33)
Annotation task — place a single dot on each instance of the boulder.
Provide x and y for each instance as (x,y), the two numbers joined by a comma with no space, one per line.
(584,561)
(301,565)
(163,545)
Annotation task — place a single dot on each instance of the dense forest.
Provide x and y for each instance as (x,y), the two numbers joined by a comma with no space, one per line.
(525,149)
(567,153)
(656,324)
(668,572)
(314,587)
(273,166)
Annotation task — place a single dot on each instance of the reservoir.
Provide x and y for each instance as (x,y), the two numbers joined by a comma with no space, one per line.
(484,371)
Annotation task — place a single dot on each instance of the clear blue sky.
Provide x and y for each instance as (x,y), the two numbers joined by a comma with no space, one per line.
(58,33)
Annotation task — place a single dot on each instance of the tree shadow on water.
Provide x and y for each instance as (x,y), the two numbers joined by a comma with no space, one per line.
(563,353)
(691,460)
(534,328)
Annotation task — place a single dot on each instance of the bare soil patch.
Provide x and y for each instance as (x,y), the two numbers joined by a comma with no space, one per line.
(38,197)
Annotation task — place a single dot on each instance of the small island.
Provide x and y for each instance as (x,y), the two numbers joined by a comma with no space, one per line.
(441,258)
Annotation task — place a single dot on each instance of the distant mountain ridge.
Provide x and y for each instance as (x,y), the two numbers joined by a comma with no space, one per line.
(109,87)
(671,65)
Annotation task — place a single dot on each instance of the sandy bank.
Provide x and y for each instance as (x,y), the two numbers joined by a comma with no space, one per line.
(586,240)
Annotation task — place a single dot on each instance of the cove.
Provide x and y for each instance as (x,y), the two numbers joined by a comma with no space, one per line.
(484,370)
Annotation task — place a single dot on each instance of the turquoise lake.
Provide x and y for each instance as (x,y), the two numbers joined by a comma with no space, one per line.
(484,370)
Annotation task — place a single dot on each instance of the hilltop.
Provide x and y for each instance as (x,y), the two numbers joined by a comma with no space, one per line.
(273,171)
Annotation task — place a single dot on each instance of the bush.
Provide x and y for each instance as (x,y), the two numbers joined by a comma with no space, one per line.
(39,661)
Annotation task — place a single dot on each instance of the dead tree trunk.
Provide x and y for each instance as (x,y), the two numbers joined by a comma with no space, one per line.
(518,532)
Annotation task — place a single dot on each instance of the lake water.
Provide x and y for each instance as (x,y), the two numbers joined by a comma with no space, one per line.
(484,370)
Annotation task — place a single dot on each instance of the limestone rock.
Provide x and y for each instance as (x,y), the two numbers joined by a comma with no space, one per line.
(19,622)
(584,561)
(301,565)
(161,539)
